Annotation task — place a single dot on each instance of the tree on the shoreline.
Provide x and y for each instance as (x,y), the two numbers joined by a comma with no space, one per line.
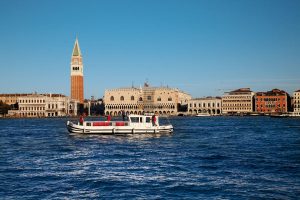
(4,108)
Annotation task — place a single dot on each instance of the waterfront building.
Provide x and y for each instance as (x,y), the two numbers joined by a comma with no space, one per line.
(11,99)
(296,101)
(240,101)
(46,105)
(77,89)
(274,101)
(158,100)
(210,105)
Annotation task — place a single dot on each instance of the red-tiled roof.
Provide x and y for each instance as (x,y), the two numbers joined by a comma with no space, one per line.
(274,92)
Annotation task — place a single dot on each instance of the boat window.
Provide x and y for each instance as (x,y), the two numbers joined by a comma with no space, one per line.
(148,119)
(134,119)
(88,124)
(141,119)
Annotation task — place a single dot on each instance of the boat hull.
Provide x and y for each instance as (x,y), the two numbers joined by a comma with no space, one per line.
(75,128)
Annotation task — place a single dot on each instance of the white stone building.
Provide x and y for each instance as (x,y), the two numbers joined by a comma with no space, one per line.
(297,103)
(210,105)
(46,105)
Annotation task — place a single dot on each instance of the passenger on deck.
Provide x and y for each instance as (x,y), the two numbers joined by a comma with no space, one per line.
(108,117)
(81,120)
(123,115)
(153,120)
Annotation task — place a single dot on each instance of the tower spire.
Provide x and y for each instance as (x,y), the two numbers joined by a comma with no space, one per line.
(77,90)
(76,49)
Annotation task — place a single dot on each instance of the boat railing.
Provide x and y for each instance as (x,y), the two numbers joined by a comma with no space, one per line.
(107,123)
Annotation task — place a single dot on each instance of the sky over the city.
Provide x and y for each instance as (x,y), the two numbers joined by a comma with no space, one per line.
(203,47)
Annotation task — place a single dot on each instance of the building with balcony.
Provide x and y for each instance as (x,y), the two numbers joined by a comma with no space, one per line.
(240,101)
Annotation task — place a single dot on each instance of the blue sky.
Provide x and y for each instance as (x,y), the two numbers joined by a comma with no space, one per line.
(201,47)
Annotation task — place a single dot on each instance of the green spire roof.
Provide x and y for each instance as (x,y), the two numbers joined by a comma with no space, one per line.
(76,50)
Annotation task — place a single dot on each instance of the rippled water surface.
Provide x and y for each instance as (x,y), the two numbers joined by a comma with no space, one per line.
(205,158)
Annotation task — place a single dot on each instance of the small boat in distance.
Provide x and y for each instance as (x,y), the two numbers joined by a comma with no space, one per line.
(279,115)
(203,115)
(136,124)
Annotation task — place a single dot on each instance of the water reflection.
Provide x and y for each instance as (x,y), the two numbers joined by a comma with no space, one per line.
(133,137)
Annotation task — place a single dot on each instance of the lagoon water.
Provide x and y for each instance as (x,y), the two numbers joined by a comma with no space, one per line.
(205,158)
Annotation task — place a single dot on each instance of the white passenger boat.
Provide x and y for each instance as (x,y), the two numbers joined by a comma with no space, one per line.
(135,124)
(203,115)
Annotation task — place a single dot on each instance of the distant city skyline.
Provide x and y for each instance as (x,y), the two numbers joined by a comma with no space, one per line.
(204,48)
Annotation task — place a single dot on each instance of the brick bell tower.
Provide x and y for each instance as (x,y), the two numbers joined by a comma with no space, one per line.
(77,74)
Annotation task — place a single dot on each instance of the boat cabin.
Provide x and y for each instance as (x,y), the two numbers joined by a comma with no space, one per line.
(142,121)
(136,121)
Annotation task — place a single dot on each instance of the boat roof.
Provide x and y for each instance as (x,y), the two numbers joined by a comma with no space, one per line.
(146,115)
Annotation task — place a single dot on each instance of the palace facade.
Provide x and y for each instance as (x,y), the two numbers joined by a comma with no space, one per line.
(210,105)
(238,101)
(158,100)
(274,101)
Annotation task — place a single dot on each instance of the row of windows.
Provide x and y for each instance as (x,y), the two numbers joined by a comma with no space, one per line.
(270,106)
(149,98)
(118,113)
(52,106)
(32,108)
(270,99)
(204,105)
(237,97)
(159,107)
(32,101)
(270,110)
(32,114)
(9,101)
(37,114)
(75,68)
(241,104)
(135,107)
(241,100)
(235,108)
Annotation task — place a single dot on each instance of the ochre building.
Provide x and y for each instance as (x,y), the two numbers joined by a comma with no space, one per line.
(11,98)
(77,92)
(238,101)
